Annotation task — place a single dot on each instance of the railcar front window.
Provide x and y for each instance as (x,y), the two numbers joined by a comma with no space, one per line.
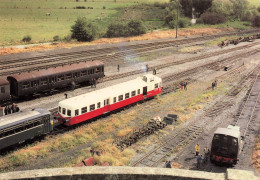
(63,111)
(69,112)
(59,109)
(156,86)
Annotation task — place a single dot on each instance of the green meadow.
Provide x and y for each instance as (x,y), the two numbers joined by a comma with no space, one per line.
(44,19)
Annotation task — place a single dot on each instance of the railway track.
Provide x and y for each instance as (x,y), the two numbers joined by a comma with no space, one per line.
(190,131)
(36,63)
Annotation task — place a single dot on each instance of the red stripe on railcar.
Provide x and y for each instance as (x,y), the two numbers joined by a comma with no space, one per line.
(105,109)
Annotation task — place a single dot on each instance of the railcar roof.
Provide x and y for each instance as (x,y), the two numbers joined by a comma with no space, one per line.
(20,117)
(3,81)
(51,71)
(102,94)
(228,132)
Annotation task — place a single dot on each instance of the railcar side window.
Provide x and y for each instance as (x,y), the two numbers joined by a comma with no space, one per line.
(133,93)
(114,99)
(138,91)
(60,78)
(92,107)
(59,109)
(107,101)
(2,89)
(69,112)
(83,73)
(156,86)
(120,98)
(98,105)
(126,95)
(63,111)
(76,112)
(97,70)
(84,110)
(68,76)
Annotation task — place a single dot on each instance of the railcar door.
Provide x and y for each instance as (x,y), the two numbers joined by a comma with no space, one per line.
(145,90)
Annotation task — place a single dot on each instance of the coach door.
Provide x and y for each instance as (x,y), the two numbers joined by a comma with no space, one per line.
(145,90)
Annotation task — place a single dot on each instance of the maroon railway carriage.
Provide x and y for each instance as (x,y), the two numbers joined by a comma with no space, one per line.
(31,82)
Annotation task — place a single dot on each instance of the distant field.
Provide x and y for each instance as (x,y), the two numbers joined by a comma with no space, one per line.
(29,17)
(19,18)
(254,2)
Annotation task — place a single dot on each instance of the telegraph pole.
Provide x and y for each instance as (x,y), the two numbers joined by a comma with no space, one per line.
(177,19)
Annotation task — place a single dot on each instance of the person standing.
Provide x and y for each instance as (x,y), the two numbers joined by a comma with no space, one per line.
(185,85)
(197,149)
(6,110)
(9,110)
(168,164)
(147,68)
(213,85)
(199,158)
(118,68)
(94,83)
(154,71)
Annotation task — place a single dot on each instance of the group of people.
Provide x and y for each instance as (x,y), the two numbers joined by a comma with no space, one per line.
(199,156)
(11,109)
(184,85)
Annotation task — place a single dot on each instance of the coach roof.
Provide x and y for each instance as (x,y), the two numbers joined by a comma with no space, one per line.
(36,74)
(228,132)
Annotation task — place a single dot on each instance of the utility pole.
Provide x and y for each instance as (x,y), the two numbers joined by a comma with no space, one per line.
(177,19)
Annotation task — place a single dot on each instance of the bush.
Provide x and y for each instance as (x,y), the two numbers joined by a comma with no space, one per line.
(170,17)
(67,38)
(184,22)
(135,27)
(104,7)
(116,30)
(212,18)
(258,9)
(172,24)
(246,17)
(56,38)
(256,21)
(80,7)
(27,38)
(160,5)
(83,31)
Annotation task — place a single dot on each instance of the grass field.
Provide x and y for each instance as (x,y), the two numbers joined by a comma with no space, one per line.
(19,18)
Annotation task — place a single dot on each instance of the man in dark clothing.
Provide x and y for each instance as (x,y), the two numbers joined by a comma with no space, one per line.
(6,110)
(9,110)
(185,85)
(72,86)
(13,108)
(66,95)
(154,71)
(213,85)
(118,68)
(168,164)
(94,83)
(147,67)
(17,109)
(199,158)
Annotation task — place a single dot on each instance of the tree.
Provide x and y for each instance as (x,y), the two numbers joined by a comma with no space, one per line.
(239,7)
(200,6)
(256,21)
(116,30)
(224,7)
(83,31)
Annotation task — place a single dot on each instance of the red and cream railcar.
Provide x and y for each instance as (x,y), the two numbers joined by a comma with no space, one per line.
(81,108)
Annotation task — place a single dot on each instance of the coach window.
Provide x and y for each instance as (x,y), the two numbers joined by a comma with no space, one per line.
(126,95)
(63,111)
(133,93)
(83,73)
(107,101)
(60,78)
(2,89)
(76,112)
(114,99)
(59,109)
(120,98)
(69,112)
(156,86)
(97,70)
(92,107)
(84,110)
(138,91)
(68,76)
(98,105)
